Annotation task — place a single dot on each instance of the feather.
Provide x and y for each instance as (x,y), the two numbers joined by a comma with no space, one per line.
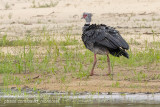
(102,36)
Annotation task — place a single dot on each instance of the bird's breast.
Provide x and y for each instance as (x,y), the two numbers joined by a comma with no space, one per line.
(97,49)
(100,50)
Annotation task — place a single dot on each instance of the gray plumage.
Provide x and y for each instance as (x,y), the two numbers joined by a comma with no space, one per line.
(101,38)
(87,16)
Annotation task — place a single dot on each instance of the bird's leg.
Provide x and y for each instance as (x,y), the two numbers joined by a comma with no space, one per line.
(108,60)
(94,63)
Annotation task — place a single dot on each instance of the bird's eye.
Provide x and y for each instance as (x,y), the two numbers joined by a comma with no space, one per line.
(84,16)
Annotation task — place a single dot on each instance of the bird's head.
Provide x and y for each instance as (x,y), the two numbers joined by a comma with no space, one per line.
(87,16)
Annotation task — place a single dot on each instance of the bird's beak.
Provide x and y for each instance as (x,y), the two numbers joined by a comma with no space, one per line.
(82,17)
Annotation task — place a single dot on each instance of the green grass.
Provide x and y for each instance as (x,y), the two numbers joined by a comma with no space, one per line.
(44,5)
(76,60)
(29,41)
(140,58)
(11,80)
(7,6)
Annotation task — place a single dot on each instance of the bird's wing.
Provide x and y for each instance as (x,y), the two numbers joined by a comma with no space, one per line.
(105,37)
(114,36)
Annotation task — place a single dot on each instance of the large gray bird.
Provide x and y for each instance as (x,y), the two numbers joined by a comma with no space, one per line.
(102,39)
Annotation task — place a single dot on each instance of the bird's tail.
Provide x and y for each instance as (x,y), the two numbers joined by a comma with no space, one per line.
(119,52)
(125,54)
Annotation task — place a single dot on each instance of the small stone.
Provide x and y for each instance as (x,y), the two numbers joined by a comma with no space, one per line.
(13,88)
(109,93)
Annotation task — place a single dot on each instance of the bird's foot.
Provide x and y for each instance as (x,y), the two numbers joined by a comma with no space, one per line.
(95,74)
(91,74)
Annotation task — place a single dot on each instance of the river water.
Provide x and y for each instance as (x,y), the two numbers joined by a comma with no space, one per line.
(79,105)
(19,98)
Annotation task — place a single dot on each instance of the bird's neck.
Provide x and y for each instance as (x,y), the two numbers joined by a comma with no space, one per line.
(87,24)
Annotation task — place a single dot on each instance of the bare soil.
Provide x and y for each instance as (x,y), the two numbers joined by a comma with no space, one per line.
(122,80)
(135,19)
